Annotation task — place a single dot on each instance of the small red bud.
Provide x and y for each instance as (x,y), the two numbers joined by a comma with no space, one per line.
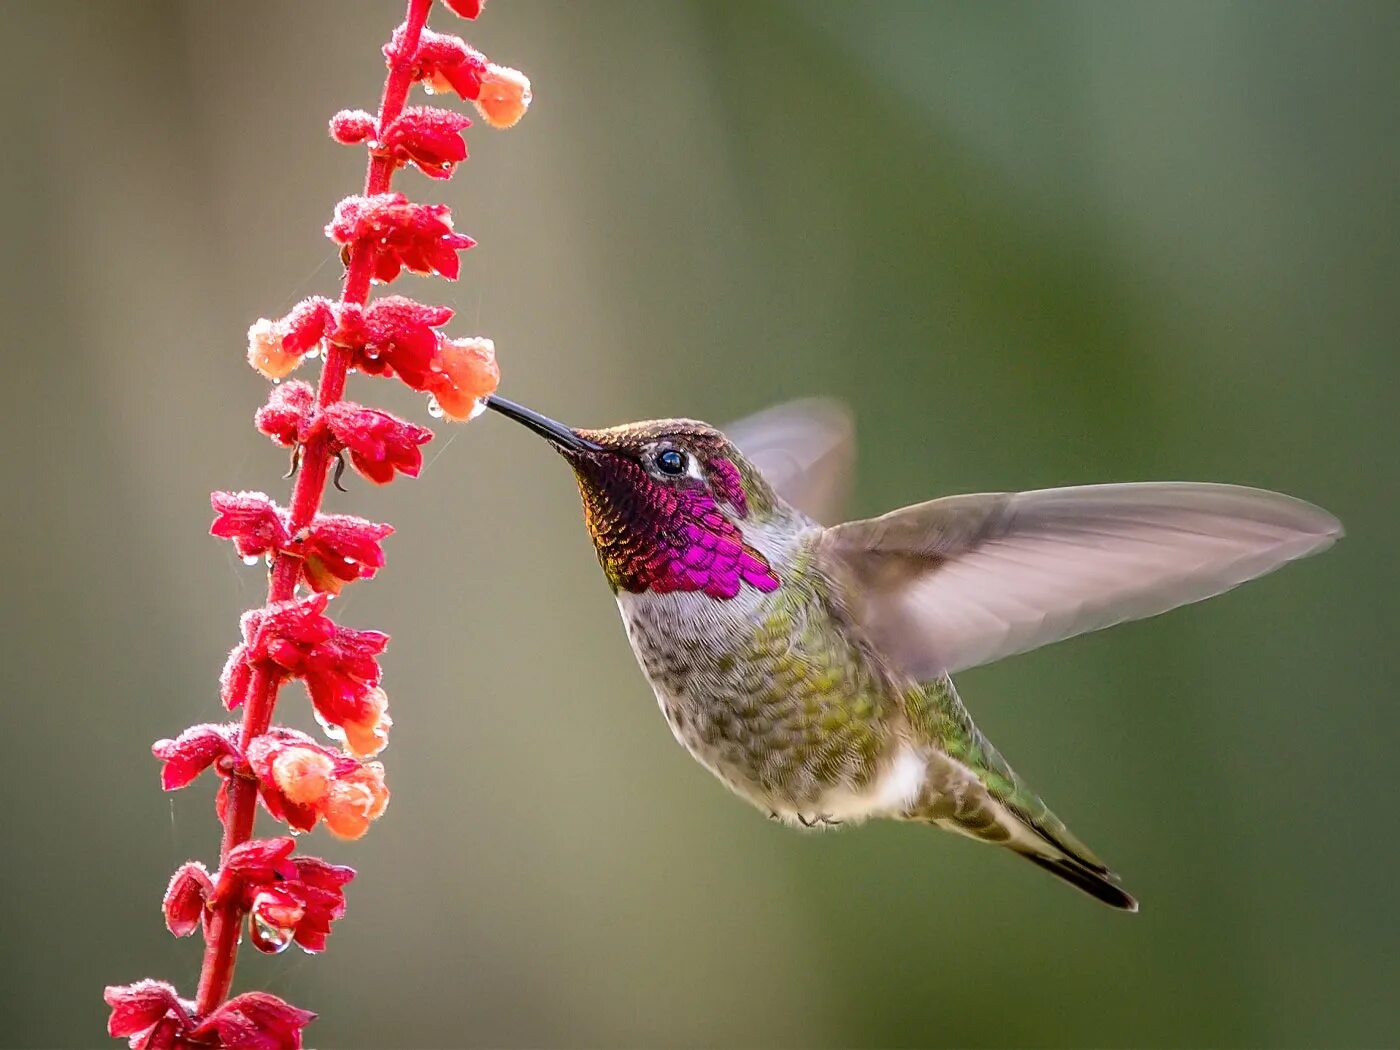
(351,126)
(184,904)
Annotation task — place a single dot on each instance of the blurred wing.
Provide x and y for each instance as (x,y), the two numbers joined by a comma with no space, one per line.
(805,449)
(966,580)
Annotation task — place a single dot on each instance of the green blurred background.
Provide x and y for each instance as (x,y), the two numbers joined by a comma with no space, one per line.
(1032,244)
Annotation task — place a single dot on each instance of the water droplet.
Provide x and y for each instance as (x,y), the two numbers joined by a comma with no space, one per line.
(267,559)
(250,559)
(434,409)
(349,561)
(314,352)
(478,407)
(277,382)
(269,938)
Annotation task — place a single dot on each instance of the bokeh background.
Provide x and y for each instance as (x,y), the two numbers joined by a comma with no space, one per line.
(1032,245)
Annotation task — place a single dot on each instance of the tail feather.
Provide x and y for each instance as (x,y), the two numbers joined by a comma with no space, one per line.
(1097,884)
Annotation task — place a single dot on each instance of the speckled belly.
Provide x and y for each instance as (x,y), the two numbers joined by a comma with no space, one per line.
(766,692)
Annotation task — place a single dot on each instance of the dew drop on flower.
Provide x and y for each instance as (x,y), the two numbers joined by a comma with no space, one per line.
(434,409)
(277,382)
(478,407)
(313,353)
(269,938)
(250,559)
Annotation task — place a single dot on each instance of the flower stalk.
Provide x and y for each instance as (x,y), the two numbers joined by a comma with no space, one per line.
(283,897)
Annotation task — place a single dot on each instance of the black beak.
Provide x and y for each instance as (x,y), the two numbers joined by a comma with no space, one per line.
(564,438)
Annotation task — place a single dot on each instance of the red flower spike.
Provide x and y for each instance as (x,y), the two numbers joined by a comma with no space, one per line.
(339,548)
(253,1021)
(351,126)
(194,751)
(289,899)
(444,63)
(394,336)
(402,235)
(465,372)
(251,520)
(148,1013)
(504,96)
(430,138)
(379,443)
(184,904)
(287,412)
(465,8)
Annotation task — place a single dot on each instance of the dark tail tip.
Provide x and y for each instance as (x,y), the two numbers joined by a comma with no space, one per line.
(1096,884)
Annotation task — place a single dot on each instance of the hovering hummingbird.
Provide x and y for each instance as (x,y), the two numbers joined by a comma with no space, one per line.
(808,667)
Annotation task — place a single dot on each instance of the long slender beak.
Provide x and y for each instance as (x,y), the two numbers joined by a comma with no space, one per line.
(565,438)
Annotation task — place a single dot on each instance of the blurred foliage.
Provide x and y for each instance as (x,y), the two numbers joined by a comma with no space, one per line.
(1033,244)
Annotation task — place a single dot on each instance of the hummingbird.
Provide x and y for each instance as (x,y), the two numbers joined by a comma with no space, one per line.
(808,666)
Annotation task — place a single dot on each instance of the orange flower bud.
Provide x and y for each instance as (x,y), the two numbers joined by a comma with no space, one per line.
(355,800)
(504,97)
(366,738)
(464,372)
(266,353)
(303,775)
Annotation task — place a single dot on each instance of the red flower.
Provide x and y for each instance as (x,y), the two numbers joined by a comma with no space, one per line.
(428,137)
(339,548)
(295,639)
(299,909)
(254,523)
(300,781)
(378,442)
(275,348)
(255,862)
(287,898)
(445,63)
(287,413)
(465,372)
(149,1013)
(252,1021)
(401,234)
(466,8)
(394,336)
(194,751)
(153,1017)
(184,903)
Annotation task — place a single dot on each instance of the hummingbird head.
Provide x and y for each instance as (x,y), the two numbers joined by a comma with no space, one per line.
(671,504)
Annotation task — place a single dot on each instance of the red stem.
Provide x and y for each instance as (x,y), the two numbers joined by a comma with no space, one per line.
(221,947)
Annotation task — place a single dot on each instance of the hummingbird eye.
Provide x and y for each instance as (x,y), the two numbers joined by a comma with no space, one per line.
(670,461)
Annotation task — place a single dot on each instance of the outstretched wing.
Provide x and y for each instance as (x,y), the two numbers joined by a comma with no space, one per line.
(966,580)
(805,449)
